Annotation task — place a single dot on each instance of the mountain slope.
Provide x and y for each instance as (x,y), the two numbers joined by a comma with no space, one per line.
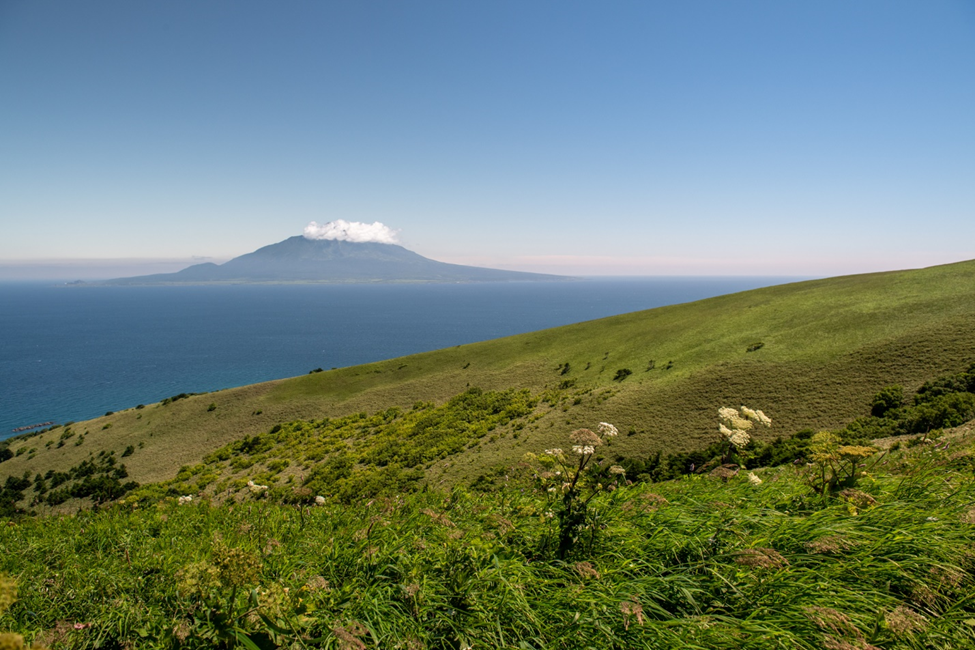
(298,259)
(828,346)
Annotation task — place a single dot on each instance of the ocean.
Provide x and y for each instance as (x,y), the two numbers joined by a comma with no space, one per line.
(73,353)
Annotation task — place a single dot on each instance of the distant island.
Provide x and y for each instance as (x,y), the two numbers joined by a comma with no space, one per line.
(331,261)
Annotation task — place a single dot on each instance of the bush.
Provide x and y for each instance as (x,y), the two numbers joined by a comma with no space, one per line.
(622,374)
(886,400)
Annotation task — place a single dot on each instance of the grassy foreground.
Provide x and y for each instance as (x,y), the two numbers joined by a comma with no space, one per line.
(826,347)
(694,563)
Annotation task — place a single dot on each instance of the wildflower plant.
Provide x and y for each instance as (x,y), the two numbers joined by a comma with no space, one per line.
(216,584)
(734,426)
(835,465)
(575,482)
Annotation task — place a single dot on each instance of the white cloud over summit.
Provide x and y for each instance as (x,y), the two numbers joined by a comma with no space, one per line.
(353,231)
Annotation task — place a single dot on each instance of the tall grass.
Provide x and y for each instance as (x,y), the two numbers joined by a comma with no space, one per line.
(692,563)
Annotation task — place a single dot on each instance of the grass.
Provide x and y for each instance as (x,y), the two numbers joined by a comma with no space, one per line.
(693,563)
(828,346)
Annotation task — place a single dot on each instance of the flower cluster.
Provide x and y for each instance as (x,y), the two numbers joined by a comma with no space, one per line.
(734,426)
(583,450)
(608,430)
(255,488)
(319,500)
(184,500)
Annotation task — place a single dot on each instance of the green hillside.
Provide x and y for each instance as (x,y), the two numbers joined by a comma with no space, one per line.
(755,561)
(809,354)
(427,502)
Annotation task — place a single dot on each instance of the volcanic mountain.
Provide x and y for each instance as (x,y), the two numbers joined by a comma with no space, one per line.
(302,260)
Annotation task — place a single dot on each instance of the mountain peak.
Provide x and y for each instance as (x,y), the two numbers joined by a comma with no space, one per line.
(299,259)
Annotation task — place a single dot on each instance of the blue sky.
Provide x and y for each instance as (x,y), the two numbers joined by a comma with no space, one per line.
(688,138)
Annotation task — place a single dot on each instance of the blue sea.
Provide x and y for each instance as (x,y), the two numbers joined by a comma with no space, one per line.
(73,353)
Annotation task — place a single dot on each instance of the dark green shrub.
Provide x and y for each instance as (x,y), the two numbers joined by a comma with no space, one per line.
(622,374)
(886,400)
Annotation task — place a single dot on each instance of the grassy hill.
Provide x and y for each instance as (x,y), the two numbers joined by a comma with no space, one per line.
(757,562)
(809,354)
(512,546)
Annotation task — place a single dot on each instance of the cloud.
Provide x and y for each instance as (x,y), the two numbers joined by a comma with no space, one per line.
(354,231)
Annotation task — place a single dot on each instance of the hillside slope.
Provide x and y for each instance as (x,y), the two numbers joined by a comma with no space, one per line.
(826,347)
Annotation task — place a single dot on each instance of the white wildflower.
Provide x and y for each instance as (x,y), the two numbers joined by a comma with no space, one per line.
(739,438)
(254,487)
(319,500)
(583,450)
(754,480)
(187,499)
(551,489)
(549,514)
(755,416)
(608,430)
(554,452)
(727,413)
(616,469)
(725,431)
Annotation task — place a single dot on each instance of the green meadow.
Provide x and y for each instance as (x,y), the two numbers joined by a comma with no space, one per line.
(458,499)
(826,347)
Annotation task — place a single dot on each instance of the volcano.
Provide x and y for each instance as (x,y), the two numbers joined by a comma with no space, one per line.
(302,260)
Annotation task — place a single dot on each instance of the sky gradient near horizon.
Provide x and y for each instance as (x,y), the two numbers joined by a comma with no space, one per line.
(624,138)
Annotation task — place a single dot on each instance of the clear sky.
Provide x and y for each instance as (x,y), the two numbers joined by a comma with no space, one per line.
(787,138)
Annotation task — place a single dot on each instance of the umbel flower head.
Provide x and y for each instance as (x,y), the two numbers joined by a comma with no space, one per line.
(734,426)
(255,488)
(608,430)
(585,437)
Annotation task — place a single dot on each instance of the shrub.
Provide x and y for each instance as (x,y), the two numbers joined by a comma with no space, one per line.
(886,400)
(622,374)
